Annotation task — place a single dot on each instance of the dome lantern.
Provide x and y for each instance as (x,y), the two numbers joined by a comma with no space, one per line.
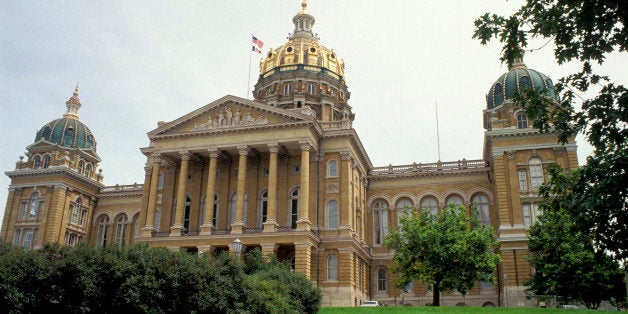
(303,23)
(73,105)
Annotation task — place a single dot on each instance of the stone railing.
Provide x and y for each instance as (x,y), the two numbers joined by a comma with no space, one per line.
(429,167)
(336,125)
(122,188)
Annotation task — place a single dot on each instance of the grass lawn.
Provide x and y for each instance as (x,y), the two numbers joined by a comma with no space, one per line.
(450,309)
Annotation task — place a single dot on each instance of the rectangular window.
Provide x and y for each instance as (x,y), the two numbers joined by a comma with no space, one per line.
(296,169)
(17,237)
(523,180)
(28,239)
(235,173)
(380,227)
(536,175)
(23,210)
(530,212)
(160,181)
(83,218)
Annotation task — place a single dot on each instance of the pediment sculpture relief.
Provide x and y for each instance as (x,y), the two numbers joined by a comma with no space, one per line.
(228,119)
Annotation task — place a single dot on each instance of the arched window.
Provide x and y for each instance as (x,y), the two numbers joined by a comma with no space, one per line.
(287,88)
(186,214)
(380,221)
(121,223)
(382,279)
(536,172)
(480,201)
(404,206)
(36,162)
(430,203)
(522,120)
(68,139)
(264,207)
(46,133)
(136,225)
(88,170)
(157,222)
(332,267)
(233,207)
(499,94)
(454,199)
(332,214)
(294,208)
(524,82)
(46,161)
(90,141)
(81,167)
(332,168)
(34,206)
(103,227)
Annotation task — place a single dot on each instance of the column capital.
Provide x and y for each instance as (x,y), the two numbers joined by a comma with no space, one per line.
(305,146)
(148,169)
(185,155)
(273,147)
(345,154)
(156,157)
(213,152)
(243,150)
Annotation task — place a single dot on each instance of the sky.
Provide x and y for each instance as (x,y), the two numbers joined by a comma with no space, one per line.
(143,61)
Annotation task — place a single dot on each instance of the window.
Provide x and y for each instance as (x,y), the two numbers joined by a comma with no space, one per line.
(408,287)
(382,279)
(75,210)
(201,217)
(430,203)
(332,267)
(46,161)
(296,169)
(536,172)
(216,203)
(380,222)
(264,207)
(233,207)
(523,180)
(189,177)
(90,141)
(454,199)
(71,238)
(480,201)
(36,162)
(88,170)
(46,133)
(530,212)
(157,222)
(68,139)
(17,237)
(332,214)
(265,172)
(311,89)
(287,89)
(160,181)
(29,238)
(136,225)
(83,217)
(121,223)
(294,208)
(103,227)
(332,168)
(23,210)
(34,206)
(522,120)
(186,214)
(81,167)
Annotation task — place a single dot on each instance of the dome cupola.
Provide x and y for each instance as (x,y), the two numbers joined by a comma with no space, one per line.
(517,79)
(68,131)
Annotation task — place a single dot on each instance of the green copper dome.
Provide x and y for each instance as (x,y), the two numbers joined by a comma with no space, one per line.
(518,79)
(68,131)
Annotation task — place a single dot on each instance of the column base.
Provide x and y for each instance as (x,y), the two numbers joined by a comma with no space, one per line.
(237,228)
(147,232)
(176,230)
(304,224)
(207,230)
(270,226)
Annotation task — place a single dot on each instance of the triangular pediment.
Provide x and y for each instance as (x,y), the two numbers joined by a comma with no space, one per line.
(230,113)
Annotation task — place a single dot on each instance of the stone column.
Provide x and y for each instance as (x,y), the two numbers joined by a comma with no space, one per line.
(208,225)
(304,193)
(5,235)
(152,196)
(271,221)
(177,229)
(148,171)
(303,258)
(238,224)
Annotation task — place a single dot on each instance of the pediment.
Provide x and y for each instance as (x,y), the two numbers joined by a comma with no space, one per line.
(230,113)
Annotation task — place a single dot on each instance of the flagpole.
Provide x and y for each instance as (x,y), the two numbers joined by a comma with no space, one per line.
(248,82)
(437,134)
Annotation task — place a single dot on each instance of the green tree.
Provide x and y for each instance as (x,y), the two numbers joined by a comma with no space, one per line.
(564,258)
(450,250)
(586,32)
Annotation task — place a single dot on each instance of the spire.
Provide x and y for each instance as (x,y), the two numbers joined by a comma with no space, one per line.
(517,63)
(73,104)
(303,23)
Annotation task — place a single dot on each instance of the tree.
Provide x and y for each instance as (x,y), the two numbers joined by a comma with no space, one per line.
(450,250)
(586,32)
(564,258)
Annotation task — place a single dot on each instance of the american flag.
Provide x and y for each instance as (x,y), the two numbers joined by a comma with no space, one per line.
(255,49)
(259,43)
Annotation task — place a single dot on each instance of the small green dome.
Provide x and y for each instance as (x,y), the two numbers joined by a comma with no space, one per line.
(518,79)
(67,132)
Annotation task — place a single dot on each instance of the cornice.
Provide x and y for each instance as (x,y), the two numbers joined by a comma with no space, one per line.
(499,151)
(428,174)
(53,170)
(54,184)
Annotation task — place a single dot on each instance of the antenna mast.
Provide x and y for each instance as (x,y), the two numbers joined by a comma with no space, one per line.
(437,133)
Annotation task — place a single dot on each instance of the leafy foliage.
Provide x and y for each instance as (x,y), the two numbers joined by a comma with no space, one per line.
(140,279)
(565,260)
(451,250)
(586,32)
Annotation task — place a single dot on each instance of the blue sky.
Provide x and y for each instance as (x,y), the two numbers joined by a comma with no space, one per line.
(140,62)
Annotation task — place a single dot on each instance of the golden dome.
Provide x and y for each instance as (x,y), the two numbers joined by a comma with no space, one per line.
(302,51)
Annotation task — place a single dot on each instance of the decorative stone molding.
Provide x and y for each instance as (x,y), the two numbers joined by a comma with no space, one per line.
(243,150)
(305,146)
(510,154)
(273,147)
(345,155)
(148,169)
(213,152)
(229,119)
(156,157)
(332,188)
(185,155)
(559,151)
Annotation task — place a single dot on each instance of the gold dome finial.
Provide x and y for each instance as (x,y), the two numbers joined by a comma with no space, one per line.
(73,104)
(304,6)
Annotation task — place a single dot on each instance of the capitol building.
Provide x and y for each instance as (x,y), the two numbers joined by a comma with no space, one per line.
(287,173)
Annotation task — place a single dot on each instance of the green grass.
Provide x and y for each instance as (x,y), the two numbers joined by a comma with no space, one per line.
(450,309)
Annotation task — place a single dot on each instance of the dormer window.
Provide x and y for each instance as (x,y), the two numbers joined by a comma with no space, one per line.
(81,166)
(46,162)
(522,120)
(311,89)
(69,137)
(36,162)
(88,170)
(287,89)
